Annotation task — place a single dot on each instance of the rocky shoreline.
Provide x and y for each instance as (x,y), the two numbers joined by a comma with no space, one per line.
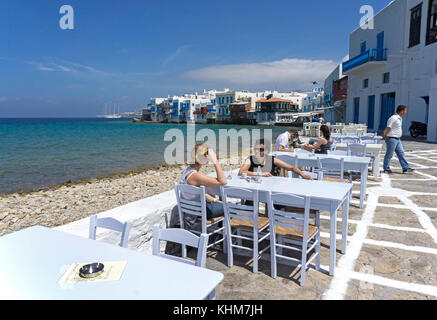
(64,204)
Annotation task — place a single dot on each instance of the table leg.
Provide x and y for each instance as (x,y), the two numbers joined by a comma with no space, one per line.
(344,221)
(363,184)
(333,240)
(377,166)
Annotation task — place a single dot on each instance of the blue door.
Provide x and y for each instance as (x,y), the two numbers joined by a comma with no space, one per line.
(387,108)
(371,113)
(356,110)
(380,46)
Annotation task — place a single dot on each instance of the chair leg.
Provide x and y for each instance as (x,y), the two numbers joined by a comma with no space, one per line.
(304,262)
(318,242)
(211,296)
(273,265)
(229,246)
(255,250)
(225,238)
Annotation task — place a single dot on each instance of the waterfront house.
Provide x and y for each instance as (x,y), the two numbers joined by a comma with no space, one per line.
(147,113)
(205,114)
(268,110)
(150,113)
(224,99)
(240,112)
(395,63)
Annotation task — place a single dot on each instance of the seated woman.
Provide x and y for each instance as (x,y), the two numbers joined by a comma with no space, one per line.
(324,144)
(270,166)
(202,154)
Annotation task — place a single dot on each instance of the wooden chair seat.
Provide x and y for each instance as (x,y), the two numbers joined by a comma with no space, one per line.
(213,220)
(335,179)
(295,234)
(247,224)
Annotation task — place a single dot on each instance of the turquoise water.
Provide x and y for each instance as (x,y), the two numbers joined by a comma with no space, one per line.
(38,153)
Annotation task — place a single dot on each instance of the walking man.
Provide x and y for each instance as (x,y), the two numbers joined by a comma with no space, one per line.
(392,135)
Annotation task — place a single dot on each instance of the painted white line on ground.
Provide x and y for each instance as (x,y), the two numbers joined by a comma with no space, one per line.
(424,219)
(401,285)
(338,286)
(423,158)
(426,175)
(378,225)
(417,164)
(400,246)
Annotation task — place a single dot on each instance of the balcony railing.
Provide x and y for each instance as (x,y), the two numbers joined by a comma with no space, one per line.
(368,56)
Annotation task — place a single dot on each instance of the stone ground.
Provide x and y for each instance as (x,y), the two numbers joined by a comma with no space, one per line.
(391,253)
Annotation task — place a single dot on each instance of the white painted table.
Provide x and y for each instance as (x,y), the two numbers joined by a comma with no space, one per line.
(325,196)
(375,149)
(360,164)
(32,261)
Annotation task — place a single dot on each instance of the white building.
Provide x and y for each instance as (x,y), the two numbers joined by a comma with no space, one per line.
(395,63)
(334,102)
(306,101)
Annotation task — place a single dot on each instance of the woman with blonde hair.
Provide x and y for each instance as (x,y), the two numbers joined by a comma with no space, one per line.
(202,155)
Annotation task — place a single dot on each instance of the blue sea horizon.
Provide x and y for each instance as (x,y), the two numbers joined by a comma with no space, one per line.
(37,153)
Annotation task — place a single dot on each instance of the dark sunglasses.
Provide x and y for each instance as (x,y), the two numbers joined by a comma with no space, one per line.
(259,149)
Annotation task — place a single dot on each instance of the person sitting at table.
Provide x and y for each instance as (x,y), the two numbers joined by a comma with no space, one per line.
(270,166)
(324,144)
(202,155)
(283,141)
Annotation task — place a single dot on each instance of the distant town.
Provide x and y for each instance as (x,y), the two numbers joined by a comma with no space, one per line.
(235,107)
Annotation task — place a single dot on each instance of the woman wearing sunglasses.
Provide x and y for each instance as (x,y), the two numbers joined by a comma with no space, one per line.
(270,166)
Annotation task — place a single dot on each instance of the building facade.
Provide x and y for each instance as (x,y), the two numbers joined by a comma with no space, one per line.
(395,63)
(268,111)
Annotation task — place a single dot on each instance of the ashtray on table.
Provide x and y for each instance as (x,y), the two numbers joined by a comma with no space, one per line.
(92,270)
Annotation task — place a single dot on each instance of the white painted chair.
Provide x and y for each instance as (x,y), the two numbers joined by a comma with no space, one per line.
(357,149)
(197,208)
(182,237)
(332,169)
(349,140)
(111,224)
(244,220)
(292,231)
(293,160)
(315,171)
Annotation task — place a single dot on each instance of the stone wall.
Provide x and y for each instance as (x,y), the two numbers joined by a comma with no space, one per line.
(143,214)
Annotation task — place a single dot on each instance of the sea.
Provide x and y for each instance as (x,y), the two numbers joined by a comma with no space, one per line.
(40,153)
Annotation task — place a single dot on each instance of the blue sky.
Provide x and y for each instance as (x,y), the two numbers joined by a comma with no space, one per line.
(128,51)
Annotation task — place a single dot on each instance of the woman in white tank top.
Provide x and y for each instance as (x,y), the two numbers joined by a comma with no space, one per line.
(191,176)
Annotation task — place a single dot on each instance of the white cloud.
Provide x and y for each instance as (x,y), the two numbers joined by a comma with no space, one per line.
(66,66)
(175,54)
(294,72)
